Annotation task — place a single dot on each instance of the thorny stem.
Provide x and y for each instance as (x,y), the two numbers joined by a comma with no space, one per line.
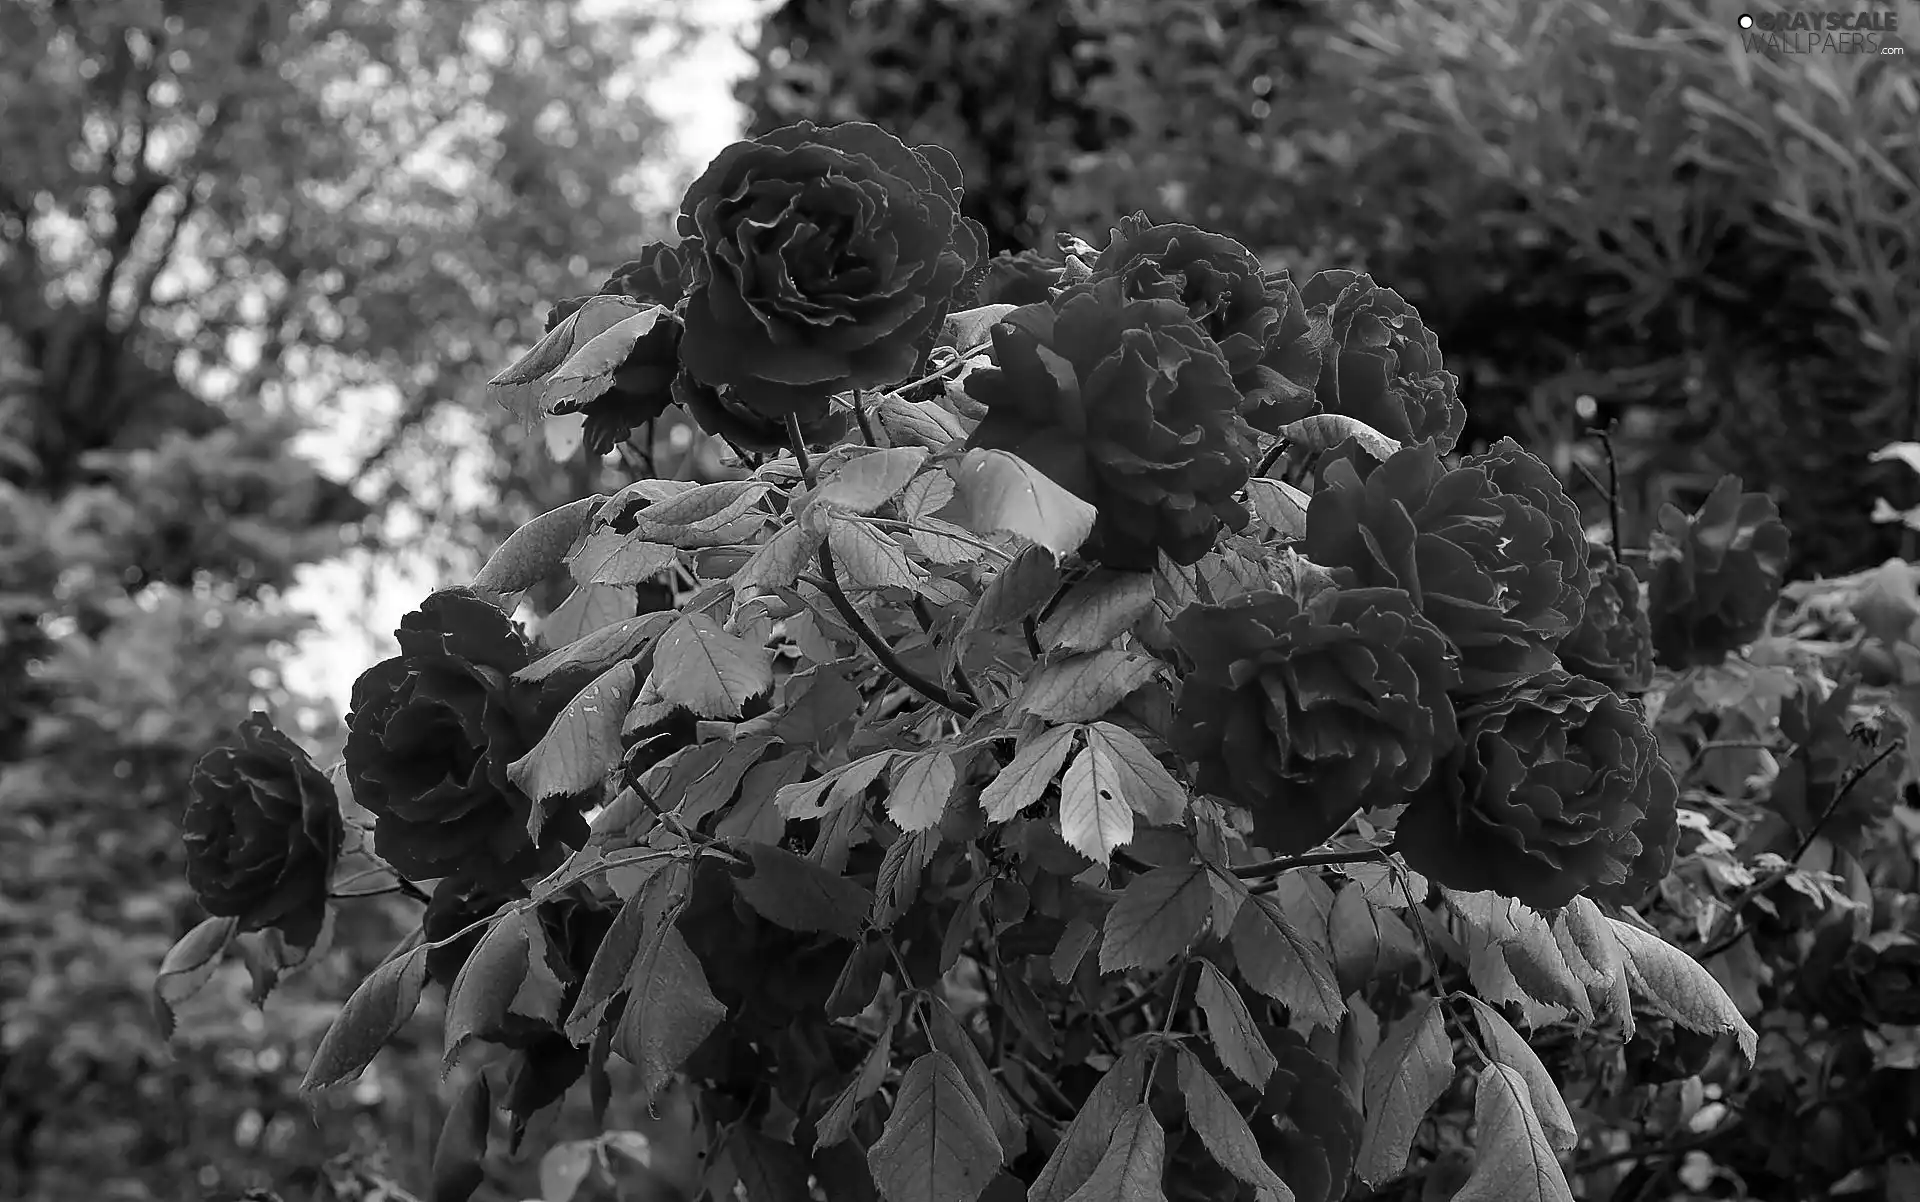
(1273,454)
(924,616)
(1468,1035)
(1032,632)
(830,585)
(1311,859)
(1729,930)
(860,415)
(672,822)
(1614,515)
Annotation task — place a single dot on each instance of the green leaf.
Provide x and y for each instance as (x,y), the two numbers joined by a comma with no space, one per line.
(755,819)
(489,979)
(532,552)
(670,1009)
(1098,609)
(926,496)
(1593,952)
(1156,917)
(937,1145)
(588,608)
(1092,1130)
(599,649)
(189,965)
(1024,585)
(1513,955)
(969,329)
(706,515)
(778,562)
(457,1170)
(815,798)
(612,966)
(1082,688)
(1134,1162)
(1224,1130)
(1075,942)
(1368,943)
(1280,962)
(1513,1162)
(1143,780)
(565,1168)
(1094,818)
(518,387)
(581,746)
(917,423)
(611,556)
(956,1043)
(1324,431)
(921,789)
(1021,782)
(1280,505)
(1230,1025)
(837,1123)
(1406,1075)
(1506,1046)
(375,1011)
(868,559)
(588,372)
(1673,984)
(710,672)
(996,490)
(901,871)
(794,892)
(865,483)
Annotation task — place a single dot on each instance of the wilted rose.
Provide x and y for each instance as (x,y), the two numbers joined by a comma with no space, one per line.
(1257,317)
(1383,367)
(1309,714)
(1557,788)
(1128,405)
(431,732)
(1716,575)
(263,832)
(1492,549)
(826,259)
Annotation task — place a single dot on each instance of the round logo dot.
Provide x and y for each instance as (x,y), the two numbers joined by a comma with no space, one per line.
(1746,21)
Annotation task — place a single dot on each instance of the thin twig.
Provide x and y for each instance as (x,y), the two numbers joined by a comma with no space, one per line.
(1618,534)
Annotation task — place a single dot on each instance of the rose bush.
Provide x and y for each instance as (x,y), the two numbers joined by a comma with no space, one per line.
(1307,713)
(262,831)
(974,782)
(431,733)
(822,260)
(1127,405)
(1502,573)
(1557,788)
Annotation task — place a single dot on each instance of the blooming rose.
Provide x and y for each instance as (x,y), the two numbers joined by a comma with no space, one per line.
(1307,714)
(658,277)
(1384,366)
(431,732)
(262,832)
(1716,575)
(1258,318)
(1491,549)
(826,260)
(721,413)
(1026,278)
(1613,643)
(1557,788)
(1128,405)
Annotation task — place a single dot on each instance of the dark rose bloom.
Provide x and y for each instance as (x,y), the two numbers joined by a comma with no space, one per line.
(1855,981)
(1128,405)
(658,277)
(1384,366)
(430,735)
(1307,715)
(1491,548)
(1613,643)
(1257,317)
(457,903)
(721,413)
(263,833)
(1557,788)
(1026,278)
(827,259)
(1716,575)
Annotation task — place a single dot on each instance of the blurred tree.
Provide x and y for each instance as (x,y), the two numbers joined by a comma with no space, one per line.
(233,235)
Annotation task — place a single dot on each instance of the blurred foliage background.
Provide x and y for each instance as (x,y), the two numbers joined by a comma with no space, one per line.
(256,258)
